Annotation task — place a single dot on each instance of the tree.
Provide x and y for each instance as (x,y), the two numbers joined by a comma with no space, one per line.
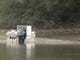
(46,13)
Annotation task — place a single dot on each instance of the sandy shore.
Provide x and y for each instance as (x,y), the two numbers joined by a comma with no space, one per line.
(56,41)
(50,41)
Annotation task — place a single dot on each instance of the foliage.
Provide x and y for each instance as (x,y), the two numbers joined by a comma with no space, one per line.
(39,13)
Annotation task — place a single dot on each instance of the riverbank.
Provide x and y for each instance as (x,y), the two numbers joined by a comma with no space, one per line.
(50,41)
(62,34)
(56,41)
(52,37)
(59,34)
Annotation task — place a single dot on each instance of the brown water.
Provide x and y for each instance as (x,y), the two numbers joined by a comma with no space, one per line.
(40,52)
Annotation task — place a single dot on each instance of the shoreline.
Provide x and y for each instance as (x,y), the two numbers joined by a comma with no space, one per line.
(56,41)
(46,41)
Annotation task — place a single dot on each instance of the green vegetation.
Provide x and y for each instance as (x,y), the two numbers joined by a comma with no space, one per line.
(41,14)
(55,15)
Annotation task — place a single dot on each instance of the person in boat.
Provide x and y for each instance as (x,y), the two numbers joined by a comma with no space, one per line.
(21,35)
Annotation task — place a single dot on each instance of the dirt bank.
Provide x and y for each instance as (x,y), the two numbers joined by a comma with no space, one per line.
(50,41)
(56,41)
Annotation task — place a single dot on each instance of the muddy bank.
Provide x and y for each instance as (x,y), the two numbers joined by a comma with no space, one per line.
(50,41)
(56,41)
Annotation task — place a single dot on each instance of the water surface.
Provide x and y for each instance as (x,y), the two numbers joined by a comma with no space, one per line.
(40,52)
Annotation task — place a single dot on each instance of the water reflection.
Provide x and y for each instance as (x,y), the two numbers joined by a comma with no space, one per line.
(57,52)
(21,52)
(2,52)
(30,51)
(16,53)
(40,52)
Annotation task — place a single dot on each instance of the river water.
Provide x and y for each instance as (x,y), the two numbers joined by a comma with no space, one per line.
(40,52)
